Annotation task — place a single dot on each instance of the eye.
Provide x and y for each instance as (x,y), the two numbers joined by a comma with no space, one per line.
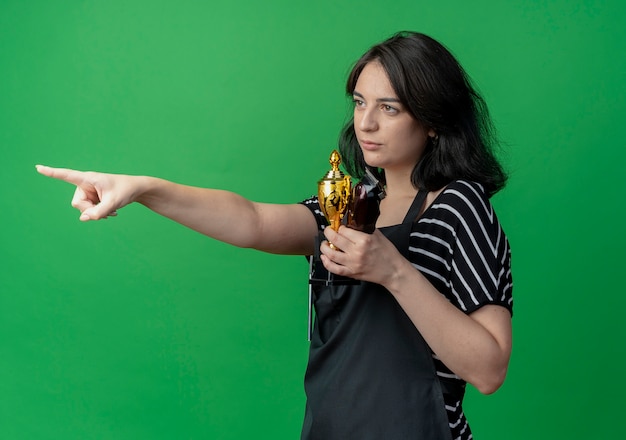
(389,109)
(358,102)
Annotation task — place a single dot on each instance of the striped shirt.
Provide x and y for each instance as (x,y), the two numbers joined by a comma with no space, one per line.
(460,247)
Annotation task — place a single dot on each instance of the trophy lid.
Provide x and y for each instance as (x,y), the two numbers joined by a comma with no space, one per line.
(334,173)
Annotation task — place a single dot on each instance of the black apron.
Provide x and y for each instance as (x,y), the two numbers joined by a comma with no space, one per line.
(370,373)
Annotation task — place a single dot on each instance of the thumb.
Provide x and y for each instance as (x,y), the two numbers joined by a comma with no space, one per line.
(100,211)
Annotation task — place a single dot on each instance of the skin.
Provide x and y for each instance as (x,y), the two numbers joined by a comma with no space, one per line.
(476,347)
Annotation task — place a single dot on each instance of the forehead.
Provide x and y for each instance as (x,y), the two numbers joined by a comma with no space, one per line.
(374,81)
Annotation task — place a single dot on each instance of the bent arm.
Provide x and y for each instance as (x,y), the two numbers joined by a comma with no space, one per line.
(476,347)
(223,215)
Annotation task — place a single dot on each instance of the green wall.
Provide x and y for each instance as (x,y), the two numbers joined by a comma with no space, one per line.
(137,328)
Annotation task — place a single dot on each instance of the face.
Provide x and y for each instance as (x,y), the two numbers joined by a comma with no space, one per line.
(389,136)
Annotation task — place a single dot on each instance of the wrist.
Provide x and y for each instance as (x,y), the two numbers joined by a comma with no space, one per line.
(146,189)
(402,277)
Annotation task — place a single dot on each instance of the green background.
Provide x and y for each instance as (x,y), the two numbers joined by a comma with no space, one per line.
(137,328)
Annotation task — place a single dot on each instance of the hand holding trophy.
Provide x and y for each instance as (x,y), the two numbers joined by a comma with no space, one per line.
(356,207)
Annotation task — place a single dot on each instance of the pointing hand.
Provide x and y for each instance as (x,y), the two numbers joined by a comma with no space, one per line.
(97,195)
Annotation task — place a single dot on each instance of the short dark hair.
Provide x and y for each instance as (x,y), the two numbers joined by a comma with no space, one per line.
(435,89)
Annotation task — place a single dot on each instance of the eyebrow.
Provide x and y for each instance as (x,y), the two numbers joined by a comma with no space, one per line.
(355,93)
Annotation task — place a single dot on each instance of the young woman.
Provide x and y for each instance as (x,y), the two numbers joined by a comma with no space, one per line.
(389,357)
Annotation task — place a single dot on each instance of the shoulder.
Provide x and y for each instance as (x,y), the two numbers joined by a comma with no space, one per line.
(463,202)
(463,216)
(464,193)
(467,247)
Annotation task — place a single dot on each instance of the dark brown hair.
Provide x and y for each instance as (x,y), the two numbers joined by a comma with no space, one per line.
(435,89)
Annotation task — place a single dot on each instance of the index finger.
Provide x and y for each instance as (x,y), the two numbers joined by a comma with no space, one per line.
(350,233)
(70,176)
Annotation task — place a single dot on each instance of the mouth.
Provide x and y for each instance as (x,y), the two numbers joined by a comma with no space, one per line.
(369,145)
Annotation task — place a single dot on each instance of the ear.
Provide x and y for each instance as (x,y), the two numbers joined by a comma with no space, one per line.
(432,134)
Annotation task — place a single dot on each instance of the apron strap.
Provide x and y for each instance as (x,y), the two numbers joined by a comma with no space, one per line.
(416,206)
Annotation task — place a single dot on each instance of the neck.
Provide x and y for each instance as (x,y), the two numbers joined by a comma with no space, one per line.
(399,184)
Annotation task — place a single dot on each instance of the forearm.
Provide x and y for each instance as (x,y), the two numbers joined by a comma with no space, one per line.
(231,218)
(219,214)
(475,347)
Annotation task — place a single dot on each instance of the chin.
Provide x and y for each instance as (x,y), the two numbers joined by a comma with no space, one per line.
(373,161)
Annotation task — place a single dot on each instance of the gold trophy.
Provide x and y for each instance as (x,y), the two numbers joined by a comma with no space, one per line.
(333,192)
(356,207)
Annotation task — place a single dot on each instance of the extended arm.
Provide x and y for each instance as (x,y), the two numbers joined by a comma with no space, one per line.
(223,215)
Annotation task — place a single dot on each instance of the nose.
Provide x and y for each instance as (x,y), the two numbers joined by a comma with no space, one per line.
(365,120)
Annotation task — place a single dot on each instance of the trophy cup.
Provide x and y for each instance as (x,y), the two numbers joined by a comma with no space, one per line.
(333,192)
(357,208)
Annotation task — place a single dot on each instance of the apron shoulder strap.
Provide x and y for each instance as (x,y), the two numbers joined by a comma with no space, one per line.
(416,206)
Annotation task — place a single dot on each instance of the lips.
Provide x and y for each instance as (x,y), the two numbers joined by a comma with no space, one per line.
(369,145)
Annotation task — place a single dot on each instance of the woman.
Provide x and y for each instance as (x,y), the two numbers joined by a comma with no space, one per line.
(389,357)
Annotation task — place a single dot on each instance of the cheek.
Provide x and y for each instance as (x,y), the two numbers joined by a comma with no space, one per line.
(406,134)
(410,139)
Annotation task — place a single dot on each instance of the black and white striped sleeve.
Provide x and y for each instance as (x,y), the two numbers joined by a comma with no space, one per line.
(313,204)
(459,245)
